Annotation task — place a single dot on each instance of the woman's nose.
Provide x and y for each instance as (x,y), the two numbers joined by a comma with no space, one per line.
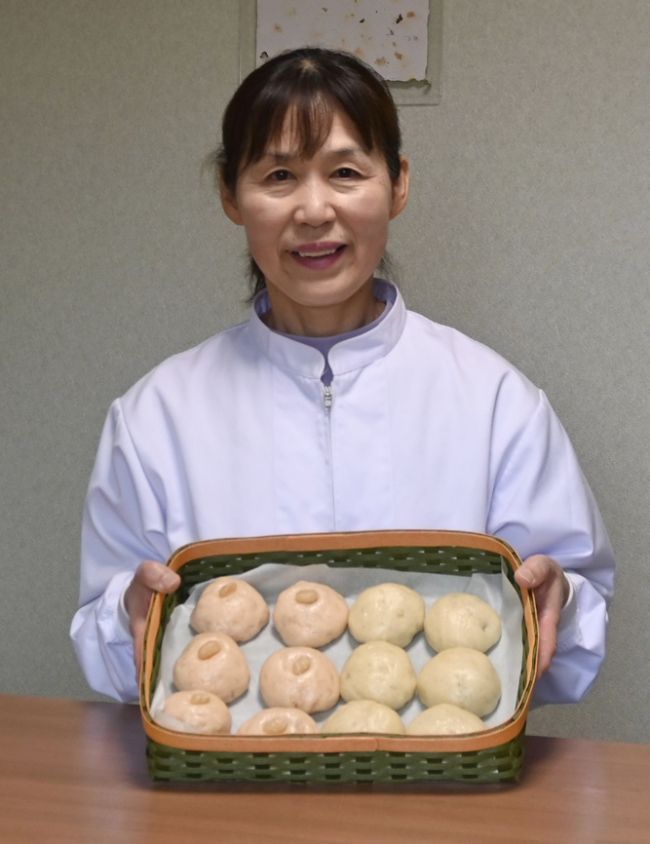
(314,204)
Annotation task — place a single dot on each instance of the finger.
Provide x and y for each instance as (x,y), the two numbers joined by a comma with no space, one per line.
(548,622)
(546,578)
(157,577)
(534,571)
(549,603)
(540,570)
(149,577)
(138,626)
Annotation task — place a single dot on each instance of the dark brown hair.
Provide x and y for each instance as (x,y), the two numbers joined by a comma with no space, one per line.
(312,83)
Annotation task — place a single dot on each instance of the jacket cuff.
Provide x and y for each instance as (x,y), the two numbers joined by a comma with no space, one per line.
(567,631)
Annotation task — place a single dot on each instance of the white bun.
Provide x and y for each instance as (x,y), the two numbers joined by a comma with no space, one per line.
(462,676)
(445,719)
(462,620)
(381,672)
(364,716)
(389,612)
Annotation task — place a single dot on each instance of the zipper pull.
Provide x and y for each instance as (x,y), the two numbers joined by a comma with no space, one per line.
(327,396)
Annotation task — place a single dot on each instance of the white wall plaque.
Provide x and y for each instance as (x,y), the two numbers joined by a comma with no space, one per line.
(401,40)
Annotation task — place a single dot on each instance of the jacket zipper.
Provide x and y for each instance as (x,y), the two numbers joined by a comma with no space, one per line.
(328,399)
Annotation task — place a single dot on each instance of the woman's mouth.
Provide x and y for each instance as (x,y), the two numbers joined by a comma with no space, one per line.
(318,256)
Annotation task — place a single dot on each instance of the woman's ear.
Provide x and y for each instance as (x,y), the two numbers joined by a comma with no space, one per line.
(229,203)
(400,189)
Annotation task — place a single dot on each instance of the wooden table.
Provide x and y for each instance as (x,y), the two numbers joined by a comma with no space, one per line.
(73,771)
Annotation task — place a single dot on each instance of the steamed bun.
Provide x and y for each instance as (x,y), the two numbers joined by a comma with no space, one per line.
(381,672)
(196,711)
(364,716)
(389,612)
(310,614)
(278,721)
(299,677)
(230,606)
(445,719)
(462,620)
(462,676)
(213,662)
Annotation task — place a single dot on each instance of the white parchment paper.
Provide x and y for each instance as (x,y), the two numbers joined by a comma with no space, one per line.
(271,579)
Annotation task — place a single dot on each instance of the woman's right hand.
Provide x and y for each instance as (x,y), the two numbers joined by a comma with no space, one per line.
(149,577)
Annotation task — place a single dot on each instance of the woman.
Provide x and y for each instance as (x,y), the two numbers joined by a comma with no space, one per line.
(332,407)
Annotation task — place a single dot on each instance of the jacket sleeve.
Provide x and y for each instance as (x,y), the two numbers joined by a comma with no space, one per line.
(123,524)
(542,504)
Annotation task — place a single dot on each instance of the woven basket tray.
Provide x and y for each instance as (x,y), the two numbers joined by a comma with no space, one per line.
(493,755)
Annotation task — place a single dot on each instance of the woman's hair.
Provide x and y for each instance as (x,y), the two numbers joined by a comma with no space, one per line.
(310,83)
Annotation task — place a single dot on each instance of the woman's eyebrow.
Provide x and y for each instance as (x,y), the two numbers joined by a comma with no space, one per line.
(279,157)
(347,152)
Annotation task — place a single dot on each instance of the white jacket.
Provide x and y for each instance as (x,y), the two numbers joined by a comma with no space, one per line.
(424,428)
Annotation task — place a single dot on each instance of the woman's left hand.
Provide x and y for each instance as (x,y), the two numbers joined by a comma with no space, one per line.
(551,589)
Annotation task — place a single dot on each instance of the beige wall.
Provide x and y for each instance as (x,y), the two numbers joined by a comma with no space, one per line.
(528,229)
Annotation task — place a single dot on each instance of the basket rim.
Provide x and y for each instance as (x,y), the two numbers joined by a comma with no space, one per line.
(354,743)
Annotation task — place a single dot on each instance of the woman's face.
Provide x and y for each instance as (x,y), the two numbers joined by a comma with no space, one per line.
(317,227)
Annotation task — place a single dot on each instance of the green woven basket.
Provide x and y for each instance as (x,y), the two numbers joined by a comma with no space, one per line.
(493,755)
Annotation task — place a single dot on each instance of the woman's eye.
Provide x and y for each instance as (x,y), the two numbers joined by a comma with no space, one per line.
(280,175)
(345,173)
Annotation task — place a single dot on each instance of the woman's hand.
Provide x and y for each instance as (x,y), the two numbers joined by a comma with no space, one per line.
(149,577)
(551,589)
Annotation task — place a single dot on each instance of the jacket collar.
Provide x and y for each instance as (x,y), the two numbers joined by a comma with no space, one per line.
(346,355)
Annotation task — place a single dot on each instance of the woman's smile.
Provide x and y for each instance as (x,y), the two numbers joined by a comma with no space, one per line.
(318,256)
